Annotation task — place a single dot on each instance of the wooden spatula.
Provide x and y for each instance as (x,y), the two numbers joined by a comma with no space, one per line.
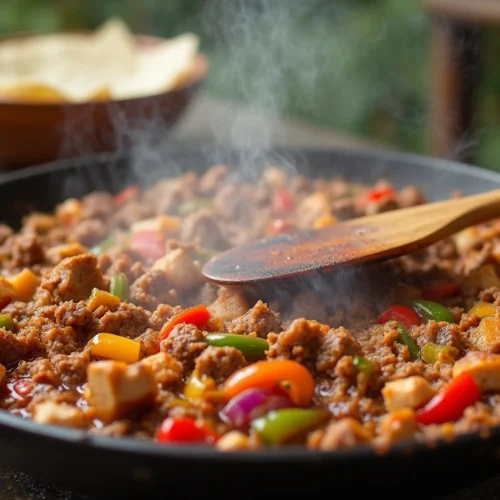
(382,236)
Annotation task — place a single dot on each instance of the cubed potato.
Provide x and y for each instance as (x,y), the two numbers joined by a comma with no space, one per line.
(486,337)
(182,272)
(53,413)
(410,392)
(483,366)
(397,426)
(116,388)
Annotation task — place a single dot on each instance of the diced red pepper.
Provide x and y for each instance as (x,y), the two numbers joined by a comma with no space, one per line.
(380,194)
(196,315)
(126,194)
(24,387)
(185,430)
(449,404)
(150,245)
(282,202)
(279,226)
(403,314)
(438,292)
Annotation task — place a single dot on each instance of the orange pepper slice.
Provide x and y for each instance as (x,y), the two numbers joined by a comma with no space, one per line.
(269,374)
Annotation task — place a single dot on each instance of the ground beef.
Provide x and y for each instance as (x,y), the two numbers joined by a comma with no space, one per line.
(11,348)
(72,368)
(152,289)
(73,279)
(218,363)
(127,321)
(185,343)
(98,204)
(26,250)
(259,319)
(212,179)
(121,263)
(60,340)
(202,228)
(336,343)
(78,316)
(88,232)
(161,315)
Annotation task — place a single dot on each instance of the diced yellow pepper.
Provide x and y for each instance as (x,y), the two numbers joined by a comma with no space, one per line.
(483,310)
(196,388)
(486,337)
(161,223)
(110,346)
(7,292)
(102,298)
(69,211)
(324,221)
(25,284)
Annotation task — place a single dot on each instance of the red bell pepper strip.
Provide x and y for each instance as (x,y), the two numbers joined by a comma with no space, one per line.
(403,314)
(185,430)
(282,202)
(196,315)
(148,244)
(126,194)
(449,404)
(440,291)
(380,194)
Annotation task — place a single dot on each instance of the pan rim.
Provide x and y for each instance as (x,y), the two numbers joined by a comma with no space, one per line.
(290,455)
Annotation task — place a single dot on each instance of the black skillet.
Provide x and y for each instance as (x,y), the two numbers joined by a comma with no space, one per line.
(125,467)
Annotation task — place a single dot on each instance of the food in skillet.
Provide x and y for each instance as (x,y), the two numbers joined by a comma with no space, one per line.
(108,325)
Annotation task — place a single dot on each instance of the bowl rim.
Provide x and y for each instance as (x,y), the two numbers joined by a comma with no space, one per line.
(196,75)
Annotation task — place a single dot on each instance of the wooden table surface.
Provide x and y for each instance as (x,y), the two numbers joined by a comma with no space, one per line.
(210,120)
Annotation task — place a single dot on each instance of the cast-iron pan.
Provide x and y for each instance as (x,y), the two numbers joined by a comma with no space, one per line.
(126,467)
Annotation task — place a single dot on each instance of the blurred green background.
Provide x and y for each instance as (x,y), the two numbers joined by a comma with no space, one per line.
(360,66)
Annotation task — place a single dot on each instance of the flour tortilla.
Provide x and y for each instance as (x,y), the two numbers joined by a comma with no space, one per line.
(106,64)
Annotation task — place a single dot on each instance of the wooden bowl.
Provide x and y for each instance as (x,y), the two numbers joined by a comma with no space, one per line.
(33,133)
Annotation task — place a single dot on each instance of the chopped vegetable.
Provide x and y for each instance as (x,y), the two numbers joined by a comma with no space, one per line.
(101,298)
(403,314)
(110,346)
(196,315)
(197,388)
(104,245)
(483,310)
(324,221)
(119,286)
(191,206)
(292,376)
(449,404)
(440,291)
(432,353)
(432,310)
(6,322)
(279,426)
(282,202)
(126,194)
(253,403)
(405,338)
(150,245)
(364,365)
(185,430)
(252,347)
(7,292)
(25,284)
(486,337)
(380,194)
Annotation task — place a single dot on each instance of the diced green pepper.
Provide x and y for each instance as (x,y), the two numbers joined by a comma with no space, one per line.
(253,348)
(406,339)
(279,426)
(6,322)
(433,310)
(103,246)
(191,206)
(119,286)
(364,365)
(431,352)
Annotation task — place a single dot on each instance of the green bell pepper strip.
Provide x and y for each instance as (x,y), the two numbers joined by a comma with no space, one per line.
(279,426)
(431,352)
(253,348)
(6,322)
(364,365)
(103,246)
(433,310)
(405,338)
(119,286)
